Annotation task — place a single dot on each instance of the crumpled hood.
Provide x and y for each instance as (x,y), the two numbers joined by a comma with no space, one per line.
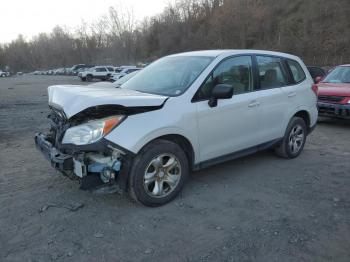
(72,99)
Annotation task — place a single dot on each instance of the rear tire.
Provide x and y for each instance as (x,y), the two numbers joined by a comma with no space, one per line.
(158,173)
(83,79)
(294,139)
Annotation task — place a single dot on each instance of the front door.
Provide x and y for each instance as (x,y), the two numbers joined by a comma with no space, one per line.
(234,124)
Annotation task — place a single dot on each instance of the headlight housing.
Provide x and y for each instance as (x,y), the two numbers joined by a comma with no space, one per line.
(92,131)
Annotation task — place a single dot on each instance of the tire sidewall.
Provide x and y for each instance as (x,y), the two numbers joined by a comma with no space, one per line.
(143,159)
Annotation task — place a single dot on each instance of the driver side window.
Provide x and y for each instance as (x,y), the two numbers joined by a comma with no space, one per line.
(235,71)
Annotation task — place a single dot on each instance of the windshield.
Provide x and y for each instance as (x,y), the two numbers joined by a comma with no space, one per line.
(169,76)
(340,74)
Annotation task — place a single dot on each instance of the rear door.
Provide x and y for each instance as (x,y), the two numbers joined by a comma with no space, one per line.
(101,72)
(272,77)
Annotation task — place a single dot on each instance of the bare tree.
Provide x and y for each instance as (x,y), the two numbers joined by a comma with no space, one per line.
(320,37)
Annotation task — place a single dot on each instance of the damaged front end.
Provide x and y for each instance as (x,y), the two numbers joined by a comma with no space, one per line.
(77,148)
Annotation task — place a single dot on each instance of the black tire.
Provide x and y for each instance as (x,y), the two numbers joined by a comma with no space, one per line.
(89,78)
(142,161)
(284,149)
(83,79)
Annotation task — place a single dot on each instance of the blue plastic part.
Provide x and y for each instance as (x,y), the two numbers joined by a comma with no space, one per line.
(97,167)
(116,166)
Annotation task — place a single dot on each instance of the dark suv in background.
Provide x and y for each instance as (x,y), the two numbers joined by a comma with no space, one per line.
(316,71)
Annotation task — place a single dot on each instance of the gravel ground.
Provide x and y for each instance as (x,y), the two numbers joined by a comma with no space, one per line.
(257,208)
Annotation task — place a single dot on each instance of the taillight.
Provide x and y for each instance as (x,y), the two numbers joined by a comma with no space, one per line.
(315,89)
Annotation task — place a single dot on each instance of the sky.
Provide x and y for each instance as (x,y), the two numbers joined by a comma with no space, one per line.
(30,17)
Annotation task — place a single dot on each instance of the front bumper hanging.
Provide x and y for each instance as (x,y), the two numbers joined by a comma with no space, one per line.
(93,169)
(58,160)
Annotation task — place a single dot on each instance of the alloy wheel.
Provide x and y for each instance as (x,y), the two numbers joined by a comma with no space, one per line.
(296,139)
(162,175)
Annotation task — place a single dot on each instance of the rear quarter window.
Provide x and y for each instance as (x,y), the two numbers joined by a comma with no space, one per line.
(296,70)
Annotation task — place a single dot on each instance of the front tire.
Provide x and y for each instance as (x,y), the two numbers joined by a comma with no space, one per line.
(89,78)
(294,139)
(158,173)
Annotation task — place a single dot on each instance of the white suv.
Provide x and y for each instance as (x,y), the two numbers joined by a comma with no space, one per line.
(97,72)
(4,73)
(183,112)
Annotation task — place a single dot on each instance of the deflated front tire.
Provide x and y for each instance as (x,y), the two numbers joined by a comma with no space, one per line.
(158,173)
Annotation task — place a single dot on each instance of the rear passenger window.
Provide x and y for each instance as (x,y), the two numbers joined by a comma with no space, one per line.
(271,72)
(100,69)
(297,71)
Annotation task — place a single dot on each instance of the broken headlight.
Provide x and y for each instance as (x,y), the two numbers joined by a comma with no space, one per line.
(92,131)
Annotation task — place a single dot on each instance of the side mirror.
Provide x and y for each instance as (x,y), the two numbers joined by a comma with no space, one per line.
(318,79)
(220,91)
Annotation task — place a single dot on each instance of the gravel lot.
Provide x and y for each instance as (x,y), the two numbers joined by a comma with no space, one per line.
(257,208)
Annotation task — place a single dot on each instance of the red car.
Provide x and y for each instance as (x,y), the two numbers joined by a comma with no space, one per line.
(334,93)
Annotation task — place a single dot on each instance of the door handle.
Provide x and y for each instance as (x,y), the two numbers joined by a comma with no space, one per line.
(292,94)
(254,104)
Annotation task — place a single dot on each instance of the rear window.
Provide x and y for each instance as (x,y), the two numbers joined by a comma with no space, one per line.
(297,71)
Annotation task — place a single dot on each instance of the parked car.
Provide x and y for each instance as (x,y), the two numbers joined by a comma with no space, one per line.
(317,73)
(115,84)
(59,71)
(334,93)
(183,112)
(121,71)
(78,68)
(97,72)
(4,73)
